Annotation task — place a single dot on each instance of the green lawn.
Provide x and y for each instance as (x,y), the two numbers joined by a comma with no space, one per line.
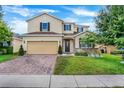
(108,64)
(7,57)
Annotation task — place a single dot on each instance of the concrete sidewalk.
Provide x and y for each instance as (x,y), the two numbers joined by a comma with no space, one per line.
(61,81)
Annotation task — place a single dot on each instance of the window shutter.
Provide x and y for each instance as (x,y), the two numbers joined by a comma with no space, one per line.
(48,26)
(40,26)
(69,27)
(77,29)
(64,27)
(82,29)
(79,42)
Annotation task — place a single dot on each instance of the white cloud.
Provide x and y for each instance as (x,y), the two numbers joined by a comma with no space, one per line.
(47,10)
(79,11)
(82,11)
(91,25)
(26,11)
(17,9)
(70,19)
(18,26)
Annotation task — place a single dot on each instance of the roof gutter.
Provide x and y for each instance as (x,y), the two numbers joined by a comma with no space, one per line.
(81,33)
(37,35)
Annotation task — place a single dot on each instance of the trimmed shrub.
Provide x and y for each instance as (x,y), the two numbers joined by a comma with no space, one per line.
(60,49)
(21,51)
(123,56)
(81,53)
(118,52)
(9,50)
(3,51)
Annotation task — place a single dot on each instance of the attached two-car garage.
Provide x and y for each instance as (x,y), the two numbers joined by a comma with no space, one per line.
(42,47)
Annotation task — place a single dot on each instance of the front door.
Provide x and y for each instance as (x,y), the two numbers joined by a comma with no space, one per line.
(67,45)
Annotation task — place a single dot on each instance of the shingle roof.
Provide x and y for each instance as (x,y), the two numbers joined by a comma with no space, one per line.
(17,35)
(42,33)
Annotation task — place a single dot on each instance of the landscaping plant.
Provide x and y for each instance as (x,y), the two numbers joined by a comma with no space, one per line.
(21,51)
(81,53)
(123,56)
(60,49)
(117,52)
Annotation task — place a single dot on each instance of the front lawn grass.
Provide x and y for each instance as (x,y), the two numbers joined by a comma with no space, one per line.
(74,65)
(7,57)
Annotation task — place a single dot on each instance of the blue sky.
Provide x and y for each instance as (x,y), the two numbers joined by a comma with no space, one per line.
(15,16)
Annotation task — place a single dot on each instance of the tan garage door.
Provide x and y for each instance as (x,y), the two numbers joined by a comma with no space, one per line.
(42,47)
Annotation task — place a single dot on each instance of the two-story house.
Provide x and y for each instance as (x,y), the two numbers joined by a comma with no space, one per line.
(46,32)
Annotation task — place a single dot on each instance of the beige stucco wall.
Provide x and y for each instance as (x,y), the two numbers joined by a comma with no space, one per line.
(55,24)
(77,40)
(16,44)
(47,38)
(85,28)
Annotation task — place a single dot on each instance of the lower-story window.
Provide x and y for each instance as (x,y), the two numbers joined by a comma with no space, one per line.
(85,45)
(82,45)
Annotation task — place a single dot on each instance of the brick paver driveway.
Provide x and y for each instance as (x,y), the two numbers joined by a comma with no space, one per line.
(29,64)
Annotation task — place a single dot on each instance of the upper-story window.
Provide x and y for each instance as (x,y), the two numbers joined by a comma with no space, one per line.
(80,29)
(44,26)
(67,27)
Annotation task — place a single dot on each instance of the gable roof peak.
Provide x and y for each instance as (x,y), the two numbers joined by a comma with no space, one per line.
(43,13)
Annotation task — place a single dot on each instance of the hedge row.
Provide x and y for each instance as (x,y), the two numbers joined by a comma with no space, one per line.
(118,52)
(81,53)
(6,50)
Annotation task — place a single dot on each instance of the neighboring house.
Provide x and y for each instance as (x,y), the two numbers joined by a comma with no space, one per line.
(106,48)
(46,32)
(15,43)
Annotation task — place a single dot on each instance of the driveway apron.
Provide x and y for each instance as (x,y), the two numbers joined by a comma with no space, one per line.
(29,65)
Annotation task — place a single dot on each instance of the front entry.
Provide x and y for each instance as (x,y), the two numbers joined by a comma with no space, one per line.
(67,45)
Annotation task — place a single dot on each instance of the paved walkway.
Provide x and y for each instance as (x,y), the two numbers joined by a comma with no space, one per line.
(61,81)
(29,65)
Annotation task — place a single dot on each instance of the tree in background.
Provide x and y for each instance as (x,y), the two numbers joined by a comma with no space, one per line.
(120,42)
(1,13)
(5,31)
(110,24)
